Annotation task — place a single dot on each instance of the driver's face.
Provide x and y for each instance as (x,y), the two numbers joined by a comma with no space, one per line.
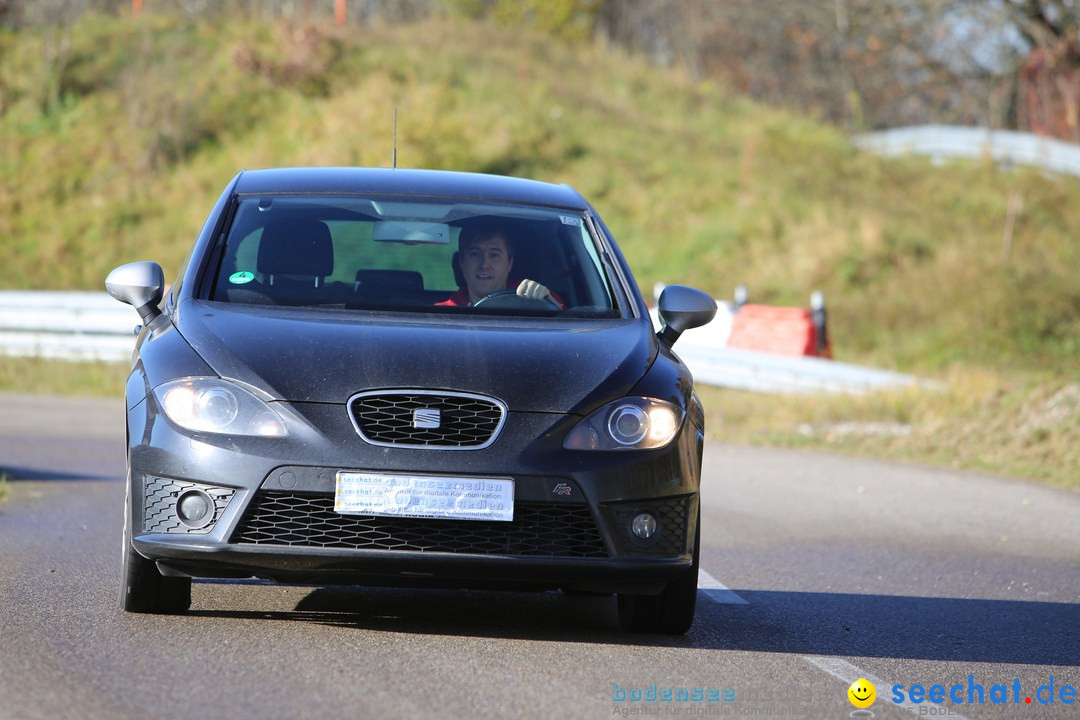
(486,266)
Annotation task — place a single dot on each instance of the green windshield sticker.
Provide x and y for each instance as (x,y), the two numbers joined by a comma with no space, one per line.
(241,278)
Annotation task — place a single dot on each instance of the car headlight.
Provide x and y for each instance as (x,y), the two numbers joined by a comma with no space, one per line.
(213,405)
(633,423)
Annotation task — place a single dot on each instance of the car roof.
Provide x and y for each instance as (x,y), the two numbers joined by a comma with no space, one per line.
(429,183)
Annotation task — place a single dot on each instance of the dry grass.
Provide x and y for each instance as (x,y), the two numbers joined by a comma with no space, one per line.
(36,376)
(1021,426)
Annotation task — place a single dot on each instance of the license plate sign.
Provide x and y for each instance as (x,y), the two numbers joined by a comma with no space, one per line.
(424,496)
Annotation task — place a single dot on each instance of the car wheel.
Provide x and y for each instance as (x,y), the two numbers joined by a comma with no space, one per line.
(142,588)
(672,611)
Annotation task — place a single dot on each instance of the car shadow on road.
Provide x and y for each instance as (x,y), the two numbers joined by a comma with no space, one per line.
(476,613)
(994,631)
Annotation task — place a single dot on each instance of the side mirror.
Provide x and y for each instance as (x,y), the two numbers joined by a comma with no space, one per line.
(139,284)
(683,308)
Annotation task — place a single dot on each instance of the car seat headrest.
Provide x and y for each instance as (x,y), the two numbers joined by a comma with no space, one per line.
(296,246)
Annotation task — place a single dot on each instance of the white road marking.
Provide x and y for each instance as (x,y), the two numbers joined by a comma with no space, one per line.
(716,590)
(848,673)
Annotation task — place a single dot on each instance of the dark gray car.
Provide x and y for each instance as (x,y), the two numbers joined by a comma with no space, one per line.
(325,396)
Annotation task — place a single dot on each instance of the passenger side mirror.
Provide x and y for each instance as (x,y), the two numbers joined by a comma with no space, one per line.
(683,308)
(139,284)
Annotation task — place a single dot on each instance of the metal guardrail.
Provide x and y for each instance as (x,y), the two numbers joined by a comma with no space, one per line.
(85,326)
(77,326)
(943,142)
(765,373)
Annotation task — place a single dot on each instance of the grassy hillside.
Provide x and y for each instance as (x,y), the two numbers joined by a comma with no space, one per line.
(118,136)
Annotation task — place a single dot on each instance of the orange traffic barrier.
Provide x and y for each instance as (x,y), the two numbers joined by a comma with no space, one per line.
(778,330)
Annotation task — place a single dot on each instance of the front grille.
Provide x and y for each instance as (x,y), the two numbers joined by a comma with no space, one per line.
(538,529)
(159,508)
(411,418)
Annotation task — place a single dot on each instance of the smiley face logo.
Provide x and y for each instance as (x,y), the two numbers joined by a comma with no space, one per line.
(862,693)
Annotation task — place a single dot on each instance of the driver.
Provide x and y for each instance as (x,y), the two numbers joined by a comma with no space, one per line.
(485,259)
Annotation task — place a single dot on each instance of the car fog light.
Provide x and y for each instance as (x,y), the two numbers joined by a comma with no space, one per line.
(644,526)
(195,509)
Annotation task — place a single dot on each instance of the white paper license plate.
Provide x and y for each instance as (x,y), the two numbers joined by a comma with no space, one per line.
(424,496)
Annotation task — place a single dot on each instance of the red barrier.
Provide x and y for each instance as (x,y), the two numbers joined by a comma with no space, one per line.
(778,330)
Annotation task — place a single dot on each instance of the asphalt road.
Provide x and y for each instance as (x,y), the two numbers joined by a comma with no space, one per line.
(835,569)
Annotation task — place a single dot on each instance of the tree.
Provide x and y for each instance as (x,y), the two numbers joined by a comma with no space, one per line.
(1047,97)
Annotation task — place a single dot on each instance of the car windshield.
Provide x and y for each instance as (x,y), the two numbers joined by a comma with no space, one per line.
(371,253)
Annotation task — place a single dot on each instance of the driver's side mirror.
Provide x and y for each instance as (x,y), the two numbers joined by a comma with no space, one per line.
(139,284)
(683,308)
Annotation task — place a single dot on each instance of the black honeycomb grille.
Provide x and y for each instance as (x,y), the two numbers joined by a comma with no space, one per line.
(673,521)
(159,510)
(538,529)
(390,418)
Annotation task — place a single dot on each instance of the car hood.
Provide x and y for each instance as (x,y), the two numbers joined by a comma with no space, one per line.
(534,365)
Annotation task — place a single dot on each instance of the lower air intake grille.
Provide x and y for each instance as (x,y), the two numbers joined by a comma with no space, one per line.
(538,529)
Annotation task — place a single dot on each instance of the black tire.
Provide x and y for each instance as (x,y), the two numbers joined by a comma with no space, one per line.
(669,613)
(142,588)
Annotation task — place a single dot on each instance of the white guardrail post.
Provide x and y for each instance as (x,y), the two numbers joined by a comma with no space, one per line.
(81,326)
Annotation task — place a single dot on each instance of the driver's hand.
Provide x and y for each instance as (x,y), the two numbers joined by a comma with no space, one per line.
(533,290)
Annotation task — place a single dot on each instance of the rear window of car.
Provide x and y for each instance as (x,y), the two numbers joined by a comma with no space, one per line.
(391,253)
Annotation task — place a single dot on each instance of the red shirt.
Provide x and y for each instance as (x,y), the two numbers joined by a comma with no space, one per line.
(458,299)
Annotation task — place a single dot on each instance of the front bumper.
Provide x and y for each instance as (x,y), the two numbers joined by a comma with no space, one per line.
(408,569)
(274,515)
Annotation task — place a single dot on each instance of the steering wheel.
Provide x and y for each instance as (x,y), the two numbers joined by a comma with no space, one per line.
(510,300)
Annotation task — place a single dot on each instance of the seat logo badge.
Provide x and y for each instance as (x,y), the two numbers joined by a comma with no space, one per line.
(562,489)
(426,418)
